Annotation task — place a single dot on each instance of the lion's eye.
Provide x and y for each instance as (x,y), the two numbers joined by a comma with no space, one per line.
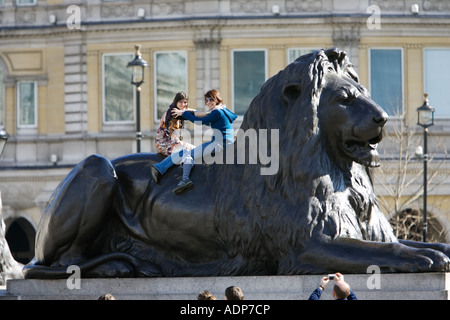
(347,96)
(342,96)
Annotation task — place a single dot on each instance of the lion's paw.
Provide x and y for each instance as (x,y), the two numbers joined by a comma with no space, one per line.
(432,260)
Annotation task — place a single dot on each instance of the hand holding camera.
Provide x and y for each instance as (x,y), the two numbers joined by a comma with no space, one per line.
(336,276)
(332,276)
(323,283)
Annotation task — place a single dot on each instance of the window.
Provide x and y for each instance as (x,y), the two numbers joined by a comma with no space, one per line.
(118,92)
(386,79)
(25,2)
(294,53)
(437,78)
(27,104)
(249,74)
(170,78)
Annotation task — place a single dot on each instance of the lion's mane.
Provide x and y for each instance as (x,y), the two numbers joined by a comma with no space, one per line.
(267,217)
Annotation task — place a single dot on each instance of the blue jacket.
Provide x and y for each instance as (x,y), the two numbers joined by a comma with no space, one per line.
(219,119)
(318,292)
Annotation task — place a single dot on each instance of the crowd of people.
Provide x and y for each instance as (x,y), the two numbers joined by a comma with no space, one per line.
(231,293)
(341,291)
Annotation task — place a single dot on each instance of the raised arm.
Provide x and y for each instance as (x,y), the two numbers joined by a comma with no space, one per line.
(213,116)
(201,114)
(196,113)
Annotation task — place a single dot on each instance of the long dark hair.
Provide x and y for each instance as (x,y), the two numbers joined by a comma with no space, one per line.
(178,97)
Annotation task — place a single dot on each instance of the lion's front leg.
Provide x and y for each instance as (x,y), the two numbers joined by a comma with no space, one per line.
(348,255)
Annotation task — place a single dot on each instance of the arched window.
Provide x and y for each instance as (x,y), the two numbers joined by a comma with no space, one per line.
(21,238)
(408,225)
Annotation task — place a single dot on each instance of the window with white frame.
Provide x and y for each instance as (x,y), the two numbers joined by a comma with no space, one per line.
(118,92)
(27,104)
(294,53)
(386,79)
(249,74)
(437,79)
(170,78)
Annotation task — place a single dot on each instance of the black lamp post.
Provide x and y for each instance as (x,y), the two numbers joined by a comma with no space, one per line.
(137,78)
(425,115)
(3,138)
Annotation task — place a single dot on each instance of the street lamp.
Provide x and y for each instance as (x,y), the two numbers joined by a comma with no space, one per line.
(425,116)
(137,78)
(3,138)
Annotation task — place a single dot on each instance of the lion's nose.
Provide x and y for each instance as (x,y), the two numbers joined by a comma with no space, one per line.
(381,119)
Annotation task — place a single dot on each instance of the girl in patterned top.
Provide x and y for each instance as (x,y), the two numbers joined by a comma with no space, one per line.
(168,136)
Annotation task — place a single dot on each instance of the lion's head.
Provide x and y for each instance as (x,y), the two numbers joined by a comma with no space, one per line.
(341,111)
(350,121)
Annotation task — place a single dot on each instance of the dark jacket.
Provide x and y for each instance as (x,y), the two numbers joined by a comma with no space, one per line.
(318,292)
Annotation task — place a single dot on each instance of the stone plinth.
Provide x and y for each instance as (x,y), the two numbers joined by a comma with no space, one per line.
(419,286)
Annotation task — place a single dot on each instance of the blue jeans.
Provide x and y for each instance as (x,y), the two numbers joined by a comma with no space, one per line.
(185,156)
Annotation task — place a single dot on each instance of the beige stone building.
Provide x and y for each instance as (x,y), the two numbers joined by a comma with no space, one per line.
(65,90)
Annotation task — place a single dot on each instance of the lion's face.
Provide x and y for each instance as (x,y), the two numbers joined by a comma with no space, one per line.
(350,121)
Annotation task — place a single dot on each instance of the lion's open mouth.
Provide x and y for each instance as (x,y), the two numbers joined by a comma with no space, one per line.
(364,152)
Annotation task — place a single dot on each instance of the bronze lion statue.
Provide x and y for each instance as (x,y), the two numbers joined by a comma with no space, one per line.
(316,214)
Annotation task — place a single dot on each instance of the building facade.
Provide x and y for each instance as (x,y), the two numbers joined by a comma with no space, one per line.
(65,90)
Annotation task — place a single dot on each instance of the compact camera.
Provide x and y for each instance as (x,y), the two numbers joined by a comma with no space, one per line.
(331,276)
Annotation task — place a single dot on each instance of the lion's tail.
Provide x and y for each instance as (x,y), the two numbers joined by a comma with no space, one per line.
(33,270)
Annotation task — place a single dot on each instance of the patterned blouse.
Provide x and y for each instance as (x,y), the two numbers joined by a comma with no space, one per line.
(168,139)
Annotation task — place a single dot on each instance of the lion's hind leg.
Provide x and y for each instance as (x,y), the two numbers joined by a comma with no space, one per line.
(73,223)
(109,265)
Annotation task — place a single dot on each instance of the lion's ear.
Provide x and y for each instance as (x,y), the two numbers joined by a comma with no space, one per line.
(291,92)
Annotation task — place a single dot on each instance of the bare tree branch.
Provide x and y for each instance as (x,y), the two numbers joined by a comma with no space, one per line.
(400,176)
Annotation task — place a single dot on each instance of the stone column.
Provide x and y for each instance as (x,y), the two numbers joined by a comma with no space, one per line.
(75,100)
(207,44)
(75,88)
(346,36)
